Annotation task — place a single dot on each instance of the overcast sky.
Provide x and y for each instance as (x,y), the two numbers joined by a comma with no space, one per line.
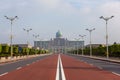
(71,17)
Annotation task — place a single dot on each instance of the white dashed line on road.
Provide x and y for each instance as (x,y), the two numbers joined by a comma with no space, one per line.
(18,68)
(91,64)
(116,73)
(100,67)
(27,64)
(4,74)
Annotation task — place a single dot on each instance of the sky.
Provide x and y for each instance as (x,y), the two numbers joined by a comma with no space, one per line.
(71,17)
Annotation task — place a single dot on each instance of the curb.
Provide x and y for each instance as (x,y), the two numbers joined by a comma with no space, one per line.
(102,59)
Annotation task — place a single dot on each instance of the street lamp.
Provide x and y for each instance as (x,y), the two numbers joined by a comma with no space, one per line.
(77,39)
(90,31)
(27,30)
(106,19)
(35,36)
(82,36)
(11,36)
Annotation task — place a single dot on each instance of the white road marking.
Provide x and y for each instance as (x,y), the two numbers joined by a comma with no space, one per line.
(57,71)
(91,64)
(27,64)
(19,68)
(100,67)
(116,73)
(62,71)
(4,74)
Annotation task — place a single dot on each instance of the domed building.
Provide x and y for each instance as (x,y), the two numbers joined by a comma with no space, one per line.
(58,34)
(58,44)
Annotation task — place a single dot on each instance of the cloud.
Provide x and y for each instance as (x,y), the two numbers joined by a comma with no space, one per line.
(54,6)
(50,4)
(111,8)
(70,13)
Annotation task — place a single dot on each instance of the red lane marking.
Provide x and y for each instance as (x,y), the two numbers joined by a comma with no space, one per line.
(43,70)
(78,70)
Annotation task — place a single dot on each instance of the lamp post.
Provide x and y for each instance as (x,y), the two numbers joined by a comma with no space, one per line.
(11,36)
(106,19)
(90,31)
(82,36)
(35,36)
(77,39)
(27,30)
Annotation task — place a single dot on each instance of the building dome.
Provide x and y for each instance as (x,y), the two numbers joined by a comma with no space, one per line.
(58,34)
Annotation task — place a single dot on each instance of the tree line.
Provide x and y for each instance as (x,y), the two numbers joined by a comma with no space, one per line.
(19,51)
(114,50)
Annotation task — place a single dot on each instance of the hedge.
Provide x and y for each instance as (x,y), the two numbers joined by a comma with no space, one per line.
(19,51)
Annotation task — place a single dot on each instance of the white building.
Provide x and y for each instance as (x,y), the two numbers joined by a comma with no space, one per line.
(59,44)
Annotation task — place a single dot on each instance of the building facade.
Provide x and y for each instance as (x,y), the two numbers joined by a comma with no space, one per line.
(59,44)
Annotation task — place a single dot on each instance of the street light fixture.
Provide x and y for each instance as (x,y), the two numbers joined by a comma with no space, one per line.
(90,31)
(36,36)
(27,30)
(106,19)
(82,36)
(11,36)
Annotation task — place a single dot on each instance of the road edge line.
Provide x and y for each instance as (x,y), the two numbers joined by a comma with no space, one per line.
(62,71)
(57,71)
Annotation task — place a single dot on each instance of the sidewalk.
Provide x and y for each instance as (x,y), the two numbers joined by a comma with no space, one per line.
(7,60)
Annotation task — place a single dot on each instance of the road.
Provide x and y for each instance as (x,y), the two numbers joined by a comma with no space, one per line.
(60,67)
(77,69)
(110,66)
(7,67)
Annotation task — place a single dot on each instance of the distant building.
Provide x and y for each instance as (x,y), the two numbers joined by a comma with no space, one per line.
(59,44)
(23,45)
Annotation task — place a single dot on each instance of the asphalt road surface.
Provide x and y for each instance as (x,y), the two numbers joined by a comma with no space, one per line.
(110,66)
(60,67)
(7,67)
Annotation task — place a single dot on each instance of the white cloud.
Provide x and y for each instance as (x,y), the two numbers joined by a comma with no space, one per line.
(50,4)
(111,8)
(108,9)
(70,13)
